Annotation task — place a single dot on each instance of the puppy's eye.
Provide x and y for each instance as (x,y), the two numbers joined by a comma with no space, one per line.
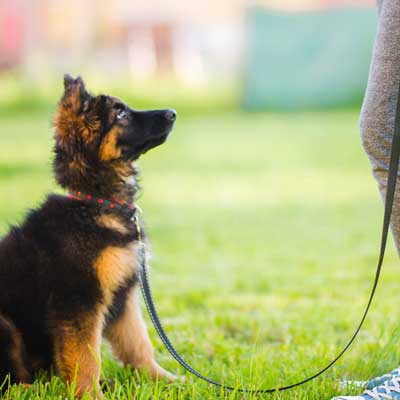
(122,114)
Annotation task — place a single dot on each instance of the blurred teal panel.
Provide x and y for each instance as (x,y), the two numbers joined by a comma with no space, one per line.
(308,60)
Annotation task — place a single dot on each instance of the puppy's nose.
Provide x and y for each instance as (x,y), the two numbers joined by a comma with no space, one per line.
(170,115)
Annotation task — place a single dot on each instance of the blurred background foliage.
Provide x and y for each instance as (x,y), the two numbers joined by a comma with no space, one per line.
(198,56)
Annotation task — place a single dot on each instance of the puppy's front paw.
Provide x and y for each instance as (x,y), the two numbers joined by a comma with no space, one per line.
(157,372)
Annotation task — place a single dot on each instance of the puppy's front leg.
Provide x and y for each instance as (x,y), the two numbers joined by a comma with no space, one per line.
(77,353)
(130,340)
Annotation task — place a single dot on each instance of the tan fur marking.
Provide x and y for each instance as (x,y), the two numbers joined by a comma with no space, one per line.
(68,123)
(77,353)
(112,222)
(108,148)
(89,127)
(114,266)
(130,340)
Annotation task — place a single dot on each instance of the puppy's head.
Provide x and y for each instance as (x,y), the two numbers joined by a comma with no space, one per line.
(98,137)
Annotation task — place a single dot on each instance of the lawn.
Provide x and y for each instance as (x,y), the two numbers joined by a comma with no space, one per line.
(265,231)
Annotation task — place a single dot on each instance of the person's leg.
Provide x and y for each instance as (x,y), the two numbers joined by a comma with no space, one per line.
(379,107)
(379,5)
(377,128)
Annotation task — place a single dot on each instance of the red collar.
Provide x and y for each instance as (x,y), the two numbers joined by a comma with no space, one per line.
(113,204)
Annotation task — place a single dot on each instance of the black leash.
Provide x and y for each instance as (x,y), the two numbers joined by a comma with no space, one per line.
(391,187)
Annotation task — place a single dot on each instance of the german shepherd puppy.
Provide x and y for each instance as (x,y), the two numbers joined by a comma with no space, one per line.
(68,274)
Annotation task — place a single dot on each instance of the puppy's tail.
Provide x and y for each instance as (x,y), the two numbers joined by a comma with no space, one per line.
(13,368)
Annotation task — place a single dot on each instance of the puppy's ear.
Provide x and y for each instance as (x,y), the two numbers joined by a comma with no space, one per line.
(74,119)
(68,81)
(75,94)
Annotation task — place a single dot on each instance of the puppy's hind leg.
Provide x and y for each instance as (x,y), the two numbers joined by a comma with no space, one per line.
(12,354)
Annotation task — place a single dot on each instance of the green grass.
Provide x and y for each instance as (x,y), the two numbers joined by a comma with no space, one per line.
(265,229)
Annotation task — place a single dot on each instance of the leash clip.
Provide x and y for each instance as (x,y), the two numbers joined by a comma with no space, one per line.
(141,251)
(137,212)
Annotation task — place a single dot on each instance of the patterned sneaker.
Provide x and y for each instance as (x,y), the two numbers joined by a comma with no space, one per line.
(370,384)
(382,379)
(389,390)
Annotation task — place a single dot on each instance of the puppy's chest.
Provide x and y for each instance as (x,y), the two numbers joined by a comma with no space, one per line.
(116,268)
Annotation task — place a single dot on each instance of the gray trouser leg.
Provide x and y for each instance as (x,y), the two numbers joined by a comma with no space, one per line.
(379,106)
(379,5)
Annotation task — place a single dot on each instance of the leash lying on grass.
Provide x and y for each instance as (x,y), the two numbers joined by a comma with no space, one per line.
(146,291)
